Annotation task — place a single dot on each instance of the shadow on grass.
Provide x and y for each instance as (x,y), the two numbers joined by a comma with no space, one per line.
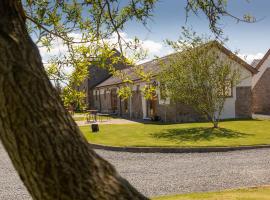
(198,134)
(206,121)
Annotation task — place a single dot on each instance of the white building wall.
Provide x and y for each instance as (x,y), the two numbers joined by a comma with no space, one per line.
(245,81)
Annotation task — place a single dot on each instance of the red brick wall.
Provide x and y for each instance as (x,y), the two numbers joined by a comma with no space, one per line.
(243,102)
(261,94)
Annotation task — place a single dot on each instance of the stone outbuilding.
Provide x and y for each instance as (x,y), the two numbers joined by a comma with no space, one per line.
(96,76)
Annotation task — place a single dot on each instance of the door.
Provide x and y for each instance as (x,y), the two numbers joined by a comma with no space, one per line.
(151,107)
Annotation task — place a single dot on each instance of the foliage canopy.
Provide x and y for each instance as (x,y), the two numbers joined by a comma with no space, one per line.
(85,29)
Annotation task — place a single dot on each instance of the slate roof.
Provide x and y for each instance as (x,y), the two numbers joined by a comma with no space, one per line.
(153,66)
(255,62)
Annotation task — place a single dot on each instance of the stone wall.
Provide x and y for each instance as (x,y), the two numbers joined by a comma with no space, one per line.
(136,107)
(105,99)
(243,102)
(177,113)
(261,94)
(103,104)
(96,75)
(95,100)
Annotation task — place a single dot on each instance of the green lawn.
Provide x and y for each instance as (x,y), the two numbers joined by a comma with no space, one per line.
(259,193)
(230,133)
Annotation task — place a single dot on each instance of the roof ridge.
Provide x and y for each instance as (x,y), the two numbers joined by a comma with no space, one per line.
(263,59)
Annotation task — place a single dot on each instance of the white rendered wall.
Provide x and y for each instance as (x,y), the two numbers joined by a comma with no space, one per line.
(245,80)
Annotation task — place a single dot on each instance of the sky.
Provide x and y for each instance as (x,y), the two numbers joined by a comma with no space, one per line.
(251,40)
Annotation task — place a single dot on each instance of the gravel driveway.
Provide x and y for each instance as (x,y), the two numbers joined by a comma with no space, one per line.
(161,174)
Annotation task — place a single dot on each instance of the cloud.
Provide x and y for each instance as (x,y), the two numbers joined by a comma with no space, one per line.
(57,49)
(152,47)
(250,57)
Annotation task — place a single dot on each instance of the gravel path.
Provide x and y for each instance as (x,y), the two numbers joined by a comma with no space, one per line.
(161,174)
(11,187)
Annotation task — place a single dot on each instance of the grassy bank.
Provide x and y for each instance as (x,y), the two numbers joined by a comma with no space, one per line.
(259,193)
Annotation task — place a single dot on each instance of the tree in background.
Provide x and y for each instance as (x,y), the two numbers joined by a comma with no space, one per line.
(67,83)
(46,147)
(197,75)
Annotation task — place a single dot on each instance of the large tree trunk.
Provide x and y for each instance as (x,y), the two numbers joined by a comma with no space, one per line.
(46,147)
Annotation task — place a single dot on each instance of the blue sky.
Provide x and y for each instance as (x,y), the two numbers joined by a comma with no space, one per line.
(252,40)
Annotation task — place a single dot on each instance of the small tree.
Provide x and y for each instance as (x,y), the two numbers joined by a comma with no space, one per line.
(73,99)
(199,76)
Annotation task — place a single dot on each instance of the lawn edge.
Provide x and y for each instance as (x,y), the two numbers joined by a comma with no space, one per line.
(214,191)
(175,149)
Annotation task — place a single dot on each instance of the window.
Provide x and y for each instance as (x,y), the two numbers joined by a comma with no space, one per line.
(163,92)
(226,89)
(96,95)
(105,93)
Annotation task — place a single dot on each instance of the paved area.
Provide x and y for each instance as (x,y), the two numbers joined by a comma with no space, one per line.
(259,116)
(161,174)
(109,121)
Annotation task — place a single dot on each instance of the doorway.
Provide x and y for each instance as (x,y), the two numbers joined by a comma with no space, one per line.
(151,107)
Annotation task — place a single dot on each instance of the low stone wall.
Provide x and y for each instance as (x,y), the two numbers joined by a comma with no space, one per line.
(178,113)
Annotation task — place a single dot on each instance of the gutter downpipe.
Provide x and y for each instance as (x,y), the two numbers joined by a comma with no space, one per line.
(130,108)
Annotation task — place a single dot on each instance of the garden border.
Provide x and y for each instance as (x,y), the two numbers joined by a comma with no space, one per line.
(175,149)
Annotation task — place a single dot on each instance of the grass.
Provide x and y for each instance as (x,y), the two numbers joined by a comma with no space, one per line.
(230,133)
(256,193)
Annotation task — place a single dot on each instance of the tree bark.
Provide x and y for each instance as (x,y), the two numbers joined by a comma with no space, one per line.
(46,147)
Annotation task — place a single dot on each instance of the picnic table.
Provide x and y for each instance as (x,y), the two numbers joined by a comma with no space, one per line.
(103,115)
